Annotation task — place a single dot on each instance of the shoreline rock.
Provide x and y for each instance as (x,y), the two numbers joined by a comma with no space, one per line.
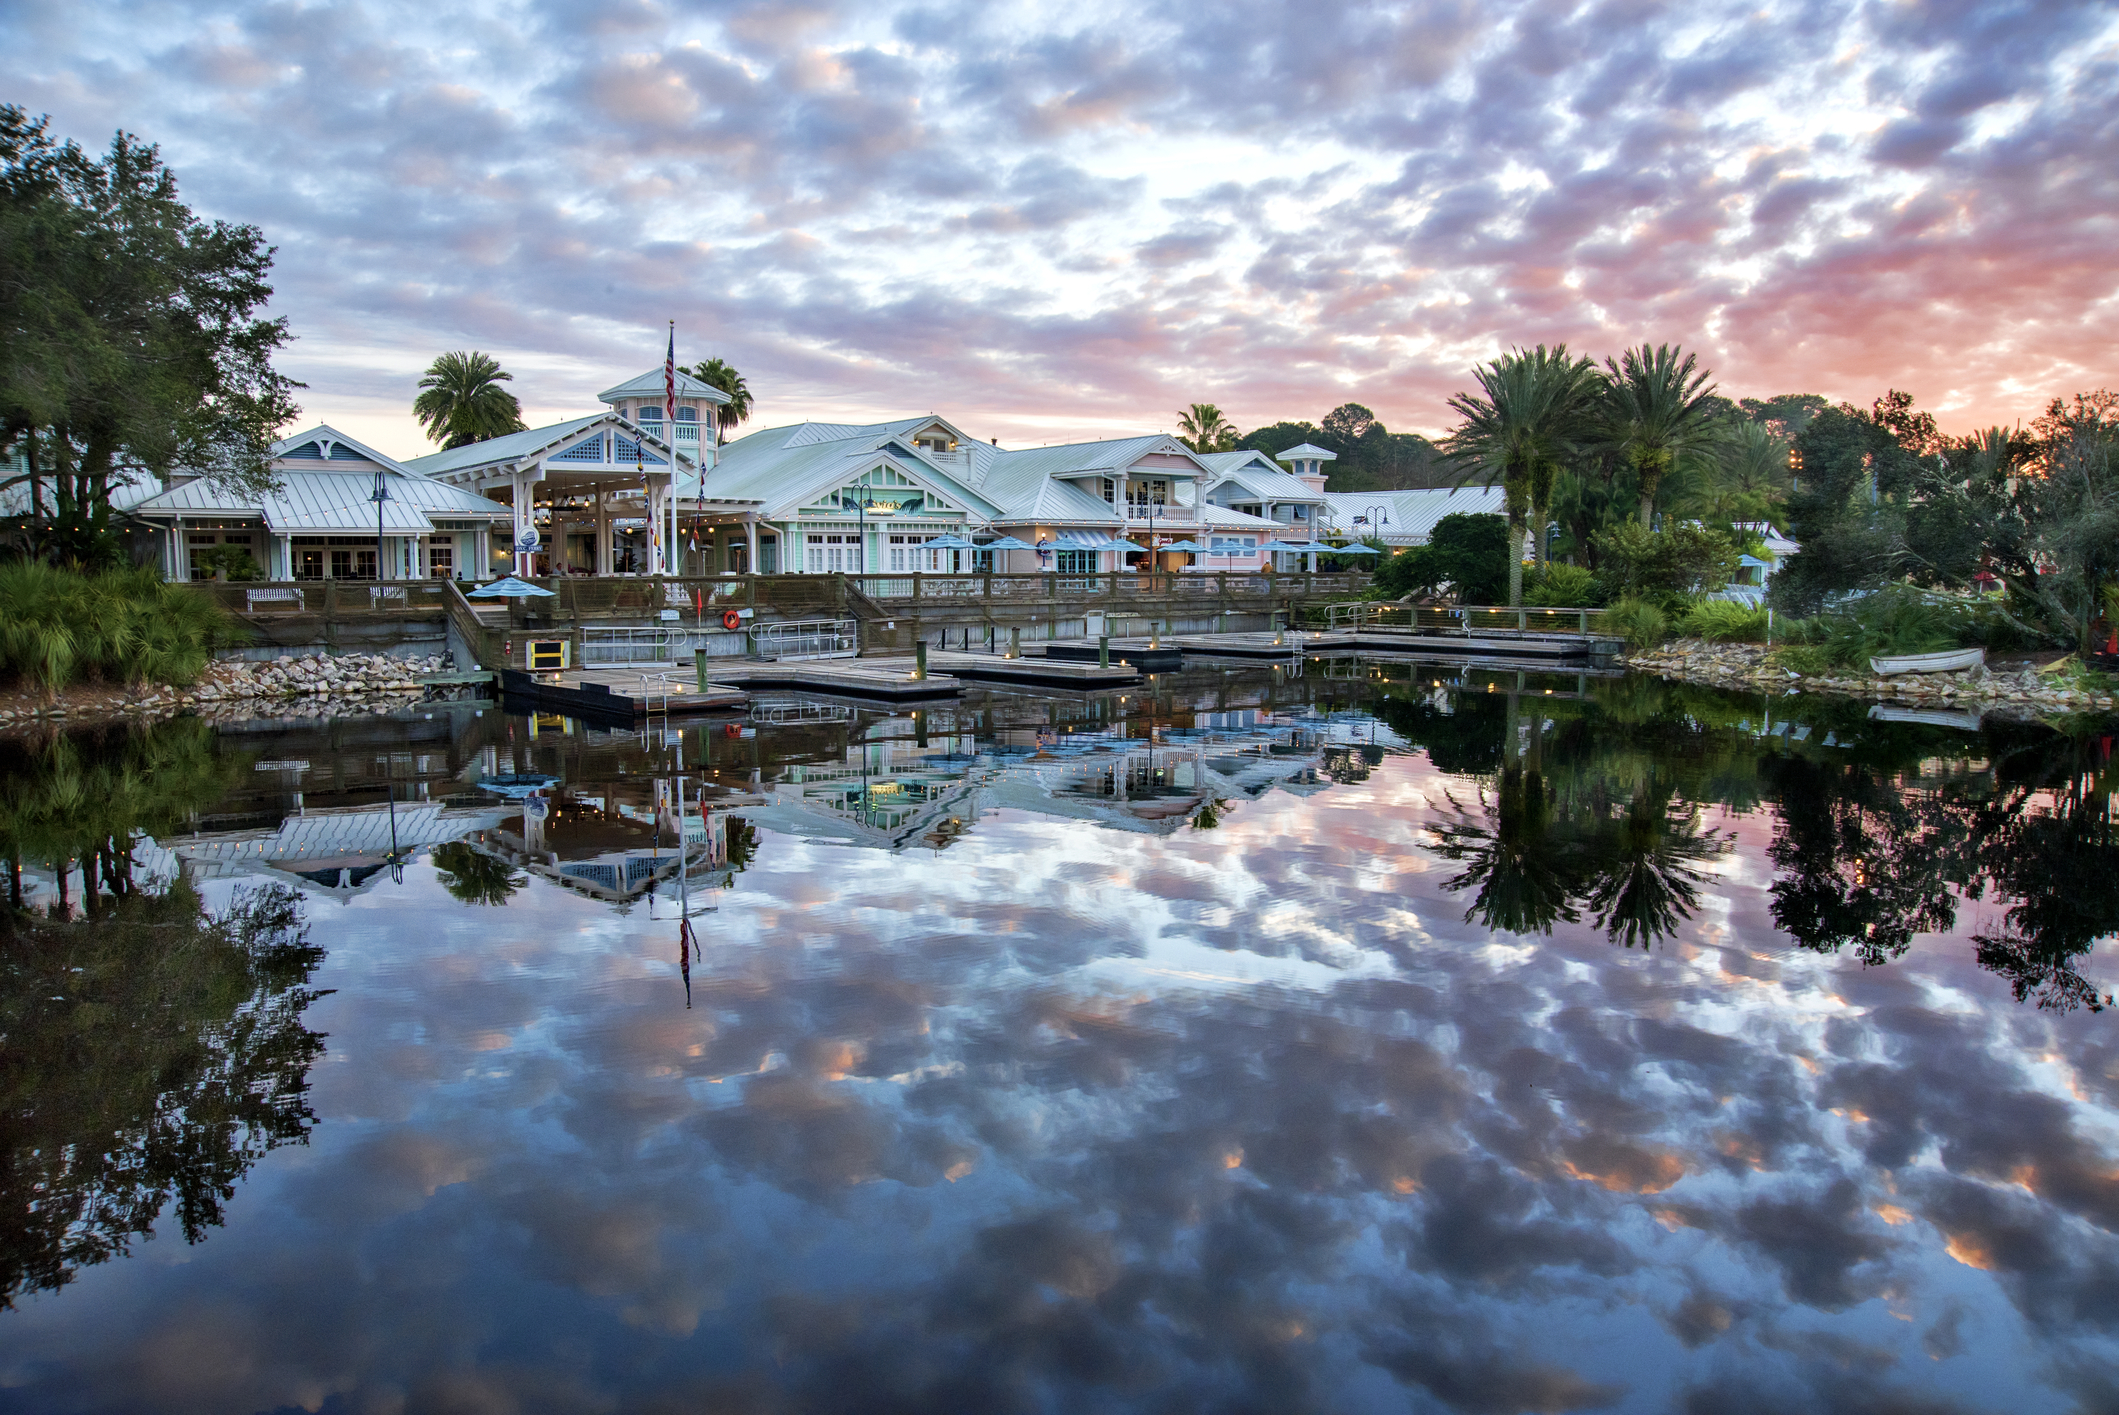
(1743,667)
(306,685)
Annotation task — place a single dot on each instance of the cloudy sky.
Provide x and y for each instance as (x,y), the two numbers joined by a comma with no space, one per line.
(1058,220)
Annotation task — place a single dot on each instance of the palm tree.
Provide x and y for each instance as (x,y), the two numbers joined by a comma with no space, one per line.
(1656,407)
(716,373)
(1526,418)
(1204,429)
(461,400)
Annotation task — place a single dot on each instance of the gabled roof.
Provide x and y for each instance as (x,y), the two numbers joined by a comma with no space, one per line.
(325,433)
(1255,474)
(1308,452)
(336,499)
(784,467)
(517,447)
(1078,458)
(1052,501)
(649,385)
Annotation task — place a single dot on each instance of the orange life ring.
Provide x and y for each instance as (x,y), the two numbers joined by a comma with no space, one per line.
(734,729)
(730,619)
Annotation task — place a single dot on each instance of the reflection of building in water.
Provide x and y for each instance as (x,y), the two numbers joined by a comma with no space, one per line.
(617,841)
(340,850)
(906,784)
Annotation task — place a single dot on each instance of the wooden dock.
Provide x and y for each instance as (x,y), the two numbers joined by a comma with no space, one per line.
(887,680)
(1047,672)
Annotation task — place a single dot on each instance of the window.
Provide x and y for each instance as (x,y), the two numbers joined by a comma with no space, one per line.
(829,555)
(687,415)
(353,564)
(309,565)
(1076,562)
(1141,494)
(441,562)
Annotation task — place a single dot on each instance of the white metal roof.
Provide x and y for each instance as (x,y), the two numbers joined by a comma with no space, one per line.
(1413,513)
(650,385)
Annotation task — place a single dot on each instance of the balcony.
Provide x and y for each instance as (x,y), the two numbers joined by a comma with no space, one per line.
(1137,514)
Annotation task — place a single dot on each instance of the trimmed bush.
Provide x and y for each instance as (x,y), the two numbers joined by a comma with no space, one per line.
(1640,623)
(61,626)
(1724,621)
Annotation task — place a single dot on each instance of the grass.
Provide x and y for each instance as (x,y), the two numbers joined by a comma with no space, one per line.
(60,626)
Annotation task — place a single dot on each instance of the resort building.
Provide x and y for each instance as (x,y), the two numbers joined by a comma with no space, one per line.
(616,492)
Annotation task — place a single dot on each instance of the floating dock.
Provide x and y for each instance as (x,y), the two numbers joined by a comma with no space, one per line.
(1046,672)
(1140,653)
(887,680)
(612,696)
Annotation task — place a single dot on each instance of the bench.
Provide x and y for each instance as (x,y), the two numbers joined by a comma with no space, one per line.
(254,598)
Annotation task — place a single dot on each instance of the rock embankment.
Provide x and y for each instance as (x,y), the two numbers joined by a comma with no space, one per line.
(1747,667)
(313,684)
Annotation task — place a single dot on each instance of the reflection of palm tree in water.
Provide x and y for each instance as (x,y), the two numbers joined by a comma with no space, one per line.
(1538,859)
(475,877)
(1524,869)
(1648,862)
(1208,816)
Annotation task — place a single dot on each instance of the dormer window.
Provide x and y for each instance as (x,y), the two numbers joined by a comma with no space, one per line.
(650,412)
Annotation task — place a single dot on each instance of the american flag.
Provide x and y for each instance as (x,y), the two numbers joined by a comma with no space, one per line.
(669,383)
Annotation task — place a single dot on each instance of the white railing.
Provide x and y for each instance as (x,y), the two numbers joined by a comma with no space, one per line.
(807,638)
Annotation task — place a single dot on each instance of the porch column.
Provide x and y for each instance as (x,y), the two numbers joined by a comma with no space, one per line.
(603,532)
(750,530)
(657,528)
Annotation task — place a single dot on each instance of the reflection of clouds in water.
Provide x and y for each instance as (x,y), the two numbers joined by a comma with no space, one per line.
(1243,1117)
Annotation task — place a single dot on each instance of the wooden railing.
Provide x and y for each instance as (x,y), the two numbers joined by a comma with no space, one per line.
(923,588)
(1465,619)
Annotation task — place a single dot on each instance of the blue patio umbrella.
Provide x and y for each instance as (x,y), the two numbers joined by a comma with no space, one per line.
(1282,547)
(508,588)
(1007,543)
(1357,548)
(1184,545)
(949,543)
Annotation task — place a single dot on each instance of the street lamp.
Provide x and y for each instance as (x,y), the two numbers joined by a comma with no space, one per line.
(1374,517)
(380,495)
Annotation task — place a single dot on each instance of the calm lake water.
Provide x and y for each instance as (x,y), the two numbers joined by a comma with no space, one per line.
(1341,1041)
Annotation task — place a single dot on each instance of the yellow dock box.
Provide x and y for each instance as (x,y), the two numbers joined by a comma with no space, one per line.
(547,655)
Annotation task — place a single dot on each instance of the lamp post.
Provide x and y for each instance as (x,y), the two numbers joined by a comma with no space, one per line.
(380,495)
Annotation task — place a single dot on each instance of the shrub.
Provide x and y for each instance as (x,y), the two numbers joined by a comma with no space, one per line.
(1667,568)
(1563,587)
(1640,623)
(1807,659)
(230,562)
(57,626)
(1466,551)
(1896,620)
(1724,621)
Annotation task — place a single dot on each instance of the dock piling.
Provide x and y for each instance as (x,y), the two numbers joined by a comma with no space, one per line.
(919,661)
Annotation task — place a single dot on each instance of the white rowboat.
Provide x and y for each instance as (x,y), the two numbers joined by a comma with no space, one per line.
(1951,661)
